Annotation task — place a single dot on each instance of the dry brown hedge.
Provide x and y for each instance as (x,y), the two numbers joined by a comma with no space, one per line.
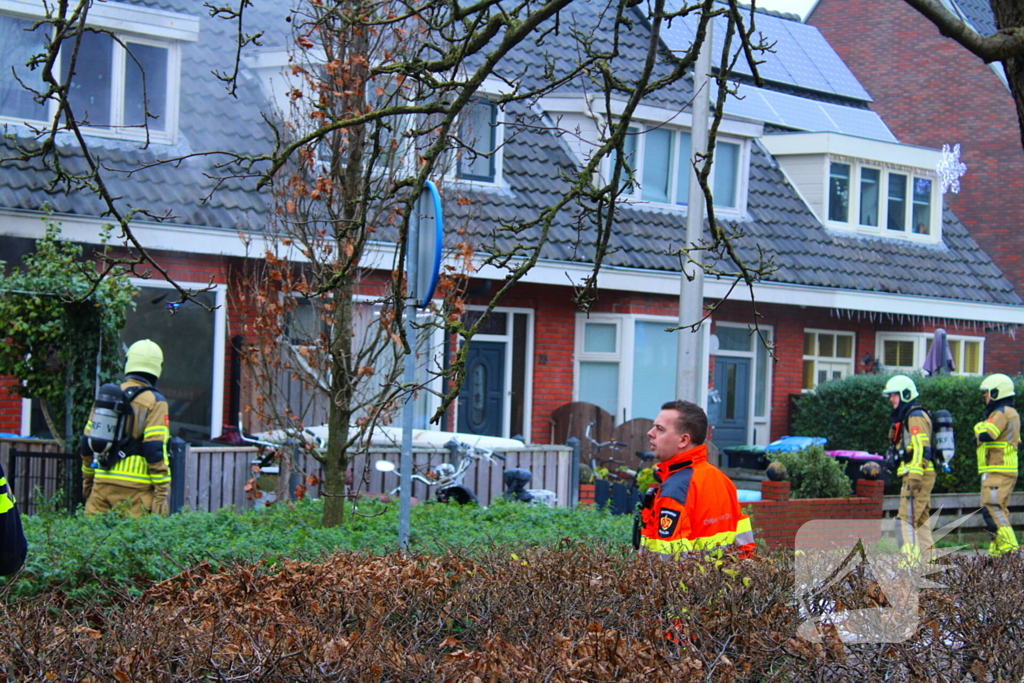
(568,614)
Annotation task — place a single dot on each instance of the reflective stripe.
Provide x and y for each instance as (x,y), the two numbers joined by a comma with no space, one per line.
(6,499)
(667,548)
(132,470)
(986,428)
(159,431)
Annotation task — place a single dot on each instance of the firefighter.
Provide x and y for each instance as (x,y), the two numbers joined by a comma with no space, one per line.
(142,477)
(694,507)
(910,438)
(997,437)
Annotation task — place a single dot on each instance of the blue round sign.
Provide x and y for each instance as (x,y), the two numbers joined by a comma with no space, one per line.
(427,250)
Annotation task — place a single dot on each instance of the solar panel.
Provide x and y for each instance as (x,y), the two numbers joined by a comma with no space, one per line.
(801,113)
(802,57)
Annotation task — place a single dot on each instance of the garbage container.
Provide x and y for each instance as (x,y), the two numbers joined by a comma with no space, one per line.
(747,457)
(853,460)
(795,443)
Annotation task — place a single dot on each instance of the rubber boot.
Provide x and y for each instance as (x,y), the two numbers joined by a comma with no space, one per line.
(1006,541)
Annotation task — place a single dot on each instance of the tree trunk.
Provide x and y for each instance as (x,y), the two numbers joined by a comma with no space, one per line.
(1010,14)
(336,462)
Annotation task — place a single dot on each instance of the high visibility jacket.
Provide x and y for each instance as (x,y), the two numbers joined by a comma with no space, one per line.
(694,508)
(913,439)
(145,465)
(998,436)
(13,547)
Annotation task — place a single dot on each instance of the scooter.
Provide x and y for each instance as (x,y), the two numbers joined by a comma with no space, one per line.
(446,477)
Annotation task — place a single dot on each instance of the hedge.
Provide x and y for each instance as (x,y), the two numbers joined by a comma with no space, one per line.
(853,415)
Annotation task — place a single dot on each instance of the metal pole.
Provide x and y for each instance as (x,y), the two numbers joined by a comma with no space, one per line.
(405,464)
(691,291)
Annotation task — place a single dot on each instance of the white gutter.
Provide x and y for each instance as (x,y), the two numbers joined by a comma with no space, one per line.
(221,242)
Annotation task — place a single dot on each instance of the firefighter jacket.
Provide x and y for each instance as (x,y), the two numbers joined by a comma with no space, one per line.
(997,437)
(145,465)
(911,436)
(13,546)
(693,508)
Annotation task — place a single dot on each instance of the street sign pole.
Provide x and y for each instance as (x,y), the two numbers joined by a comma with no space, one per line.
(422,267)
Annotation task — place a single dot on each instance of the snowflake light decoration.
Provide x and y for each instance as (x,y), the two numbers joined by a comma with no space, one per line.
(951,169)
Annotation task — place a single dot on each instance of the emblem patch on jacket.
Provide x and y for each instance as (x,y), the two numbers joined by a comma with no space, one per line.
(667,523)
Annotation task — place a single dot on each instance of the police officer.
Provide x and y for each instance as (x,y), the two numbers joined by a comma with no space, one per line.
(910,436)
(997,437)
(695,505)
(142,477)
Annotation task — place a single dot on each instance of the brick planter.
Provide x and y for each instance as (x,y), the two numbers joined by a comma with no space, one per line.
(776,518)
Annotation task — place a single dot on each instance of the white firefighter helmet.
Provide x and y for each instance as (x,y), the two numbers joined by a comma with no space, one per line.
(902,385)
(998,386)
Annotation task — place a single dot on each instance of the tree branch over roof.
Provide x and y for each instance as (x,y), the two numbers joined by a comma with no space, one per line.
(1004,44)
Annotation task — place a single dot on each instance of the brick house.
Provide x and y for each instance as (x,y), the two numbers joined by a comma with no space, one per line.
(861,279)
(930,91)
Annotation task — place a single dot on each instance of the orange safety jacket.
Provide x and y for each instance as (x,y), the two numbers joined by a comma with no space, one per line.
(694,508)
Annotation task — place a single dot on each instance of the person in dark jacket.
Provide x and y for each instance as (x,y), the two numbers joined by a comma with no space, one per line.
(13,546)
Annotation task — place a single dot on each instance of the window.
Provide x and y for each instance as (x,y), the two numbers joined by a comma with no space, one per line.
(827,356)
(839,192)
(480,132)
(909,203)
(907,352)
(661,158)
(625,365)
(119,78)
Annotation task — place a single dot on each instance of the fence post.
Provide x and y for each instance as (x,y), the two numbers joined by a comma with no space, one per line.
(574,472)
(177,450)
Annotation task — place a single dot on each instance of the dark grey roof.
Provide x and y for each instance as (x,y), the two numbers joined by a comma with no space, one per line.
(804,252)
(210,119)
(536,164)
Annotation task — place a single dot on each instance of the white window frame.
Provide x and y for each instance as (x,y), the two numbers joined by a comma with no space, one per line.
(852,221)
(680,203)
(508,340)
(498,156)
(128,23)
(829,360)
(219,342)
(922,342)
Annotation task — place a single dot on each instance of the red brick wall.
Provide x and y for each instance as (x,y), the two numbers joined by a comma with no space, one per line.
(776,519)
(931,91)
(10,407)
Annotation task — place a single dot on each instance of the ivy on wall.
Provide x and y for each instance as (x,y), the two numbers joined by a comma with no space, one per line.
(61,329)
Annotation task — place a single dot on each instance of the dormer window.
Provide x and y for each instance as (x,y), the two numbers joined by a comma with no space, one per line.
(661,156)
(481,131)
(908,203)
(120,77)
(869,186)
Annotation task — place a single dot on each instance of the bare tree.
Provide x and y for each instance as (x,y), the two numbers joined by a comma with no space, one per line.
(383,93)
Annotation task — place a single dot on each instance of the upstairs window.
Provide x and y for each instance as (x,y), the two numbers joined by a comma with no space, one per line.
(661,157)
(119,76)
(909,206)
(480,132)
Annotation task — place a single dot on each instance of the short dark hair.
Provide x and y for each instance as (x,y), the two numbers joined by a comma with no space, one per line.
(692,420)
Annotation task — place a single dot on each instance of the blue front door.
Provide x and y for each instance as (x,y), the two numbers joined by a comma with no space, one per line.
(481,401)
(732,380)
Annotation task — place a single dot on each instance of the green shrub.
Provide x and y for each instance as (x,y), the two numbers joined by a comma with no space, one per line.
(84,557)
(813,474)
(853,415)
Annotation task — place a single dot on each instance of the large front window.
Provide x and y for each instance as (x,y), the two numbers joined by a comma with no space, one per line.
(906,352)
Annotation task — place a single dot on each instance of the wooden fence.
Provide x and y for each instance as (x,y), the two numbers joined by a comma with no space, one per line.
(215,477)
(953,506)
